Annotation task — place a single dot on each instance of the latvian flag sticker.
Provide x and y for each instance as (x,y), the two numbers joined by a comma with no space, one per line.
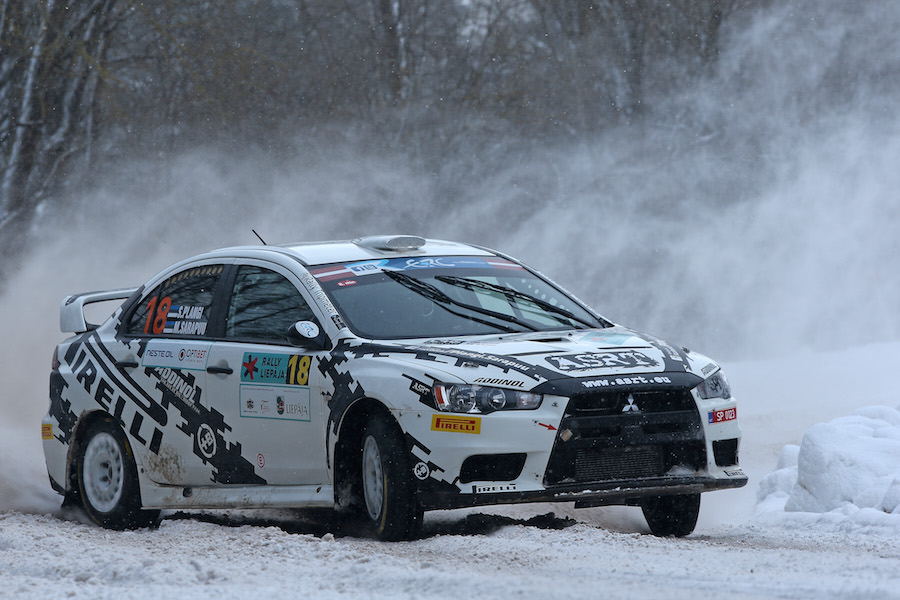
(332,272)
(502,263)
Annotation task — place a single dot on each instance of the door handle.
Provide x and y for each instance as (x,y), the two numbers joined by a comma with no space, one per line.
(126,364)
(226,370)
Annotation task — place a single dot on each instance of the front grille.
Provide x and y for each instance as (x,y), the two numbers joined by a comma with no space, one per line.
(625,434)
(618,463)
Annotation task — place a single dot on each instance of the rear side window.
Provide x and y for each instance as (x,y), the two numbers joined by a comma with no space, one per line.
(179,306)
(264,305)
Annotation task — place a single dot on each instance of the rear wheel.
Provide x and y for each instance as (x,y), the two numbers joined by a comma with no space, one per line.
(107,479)
(672,515)
(387,488)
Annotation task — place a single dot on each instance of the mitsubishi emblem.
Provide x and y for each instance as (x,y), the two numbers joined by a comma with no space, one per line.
(630,406)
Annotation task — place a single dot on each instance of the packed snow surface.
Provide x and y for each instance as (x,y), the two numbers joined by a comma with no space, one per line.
(786,240)
(820,519)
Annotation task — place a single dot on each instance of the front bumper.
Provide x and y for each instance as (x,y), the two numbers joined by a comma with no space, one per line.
(598,494)
(586,449)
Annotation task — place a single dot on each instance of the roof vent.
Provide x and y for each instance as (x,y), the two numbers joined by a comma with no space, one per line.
(391,242)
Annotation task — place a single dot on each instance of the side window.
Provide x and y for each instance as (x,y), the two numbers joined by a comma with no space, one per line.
(178,306)
(263,306)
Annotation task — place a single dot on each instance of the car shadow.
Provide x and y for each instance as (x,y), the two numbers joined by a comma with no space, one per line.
(323,522)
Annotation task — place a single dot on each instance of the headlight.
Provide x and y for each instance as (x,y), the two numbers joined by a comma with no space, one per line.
(482,399)
(715,386)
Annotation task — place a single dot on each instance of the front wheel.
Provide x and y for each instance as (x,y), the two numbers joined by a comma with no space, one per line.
(672,515)
(107,479)
(387,487)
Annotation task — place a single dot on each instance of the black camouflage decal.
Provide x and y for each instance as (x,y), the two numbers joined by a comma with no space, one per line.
(205,425)
(142,416)
(345,393)
(424,391)
(675,359)
(455,357)
(347,390)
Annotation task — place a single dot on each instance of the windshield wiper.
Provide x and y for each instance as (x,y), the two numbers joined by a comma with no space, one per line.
(444,301)
(557,312)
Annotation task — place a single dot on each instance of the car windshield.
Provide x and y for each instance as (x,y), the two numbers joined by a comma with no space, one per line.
(447,296)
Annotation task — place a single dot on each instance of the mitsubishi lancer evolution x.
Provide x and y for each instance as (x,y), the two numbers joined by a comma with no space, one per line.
(383,377)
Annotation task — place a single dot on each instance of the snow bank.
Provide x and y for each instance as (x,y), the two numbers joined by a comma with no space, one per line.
(845,471)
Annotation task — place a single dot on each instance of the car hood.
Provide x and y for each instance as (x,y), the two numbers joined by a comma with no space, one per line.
(562,362)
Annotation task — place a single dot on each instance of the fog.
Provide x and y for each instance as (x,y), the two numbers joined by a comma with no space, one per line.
(756,215)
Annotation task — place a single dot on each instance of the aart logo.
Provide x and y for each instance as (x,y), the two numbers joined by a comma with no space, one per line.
(456,424)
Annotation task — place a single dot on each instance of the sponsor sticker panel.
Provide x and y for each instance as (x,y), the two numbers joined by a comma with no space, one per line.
(280,402)
(178,355)
(286,369)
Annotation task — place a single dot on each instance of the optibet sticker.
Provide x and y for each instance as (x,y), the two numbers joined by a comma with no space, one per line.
(165,354)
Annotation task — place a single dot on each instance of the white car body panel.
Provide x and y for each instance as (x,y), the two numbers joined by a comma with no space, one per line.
(205,432)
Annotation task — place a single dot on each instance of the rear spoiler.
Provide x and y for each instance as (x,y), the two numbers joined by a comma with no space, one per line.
(71,312)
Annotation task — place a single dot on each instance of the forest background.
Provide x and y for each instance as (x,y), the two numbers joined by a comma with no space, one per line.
(719,172)
(454,86)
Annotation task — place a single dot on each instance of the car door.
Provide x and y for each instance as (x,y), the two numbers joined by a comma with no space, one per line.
(267,389)
(163,350)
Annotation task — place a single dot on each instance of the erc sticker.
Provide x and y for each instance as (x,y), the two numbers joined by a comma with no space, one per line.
(721,416)
(456,424)
(46,431)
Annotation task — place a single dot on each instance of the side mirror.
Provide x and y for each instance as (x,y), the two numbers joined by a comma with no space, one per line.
(308,334)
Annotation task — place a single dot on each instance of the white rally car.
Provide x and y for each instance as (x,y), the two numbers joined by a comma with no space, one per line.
(385,376)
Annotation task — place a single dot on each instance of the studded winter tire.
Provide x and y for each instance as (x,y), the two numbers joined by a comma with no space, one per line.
(107,479)
(387,488)
(672,515)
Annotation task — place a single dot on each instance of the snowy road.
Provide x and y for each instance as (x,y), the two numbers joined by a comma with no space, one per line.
(763,249)
(742,548)
(46,556)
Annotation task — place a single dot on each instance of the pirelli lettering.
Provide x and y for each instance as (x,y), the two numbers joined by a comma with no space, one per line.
(456,424)
(110,391)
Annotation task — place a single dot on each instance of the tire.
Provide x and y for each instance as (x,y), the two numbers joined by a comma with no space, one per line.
(107,479)
(389,497)
(672,515)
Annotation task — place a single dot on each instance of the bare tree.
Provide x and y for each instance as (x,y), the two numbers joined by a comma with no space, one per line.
(51,68)
(436,79)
